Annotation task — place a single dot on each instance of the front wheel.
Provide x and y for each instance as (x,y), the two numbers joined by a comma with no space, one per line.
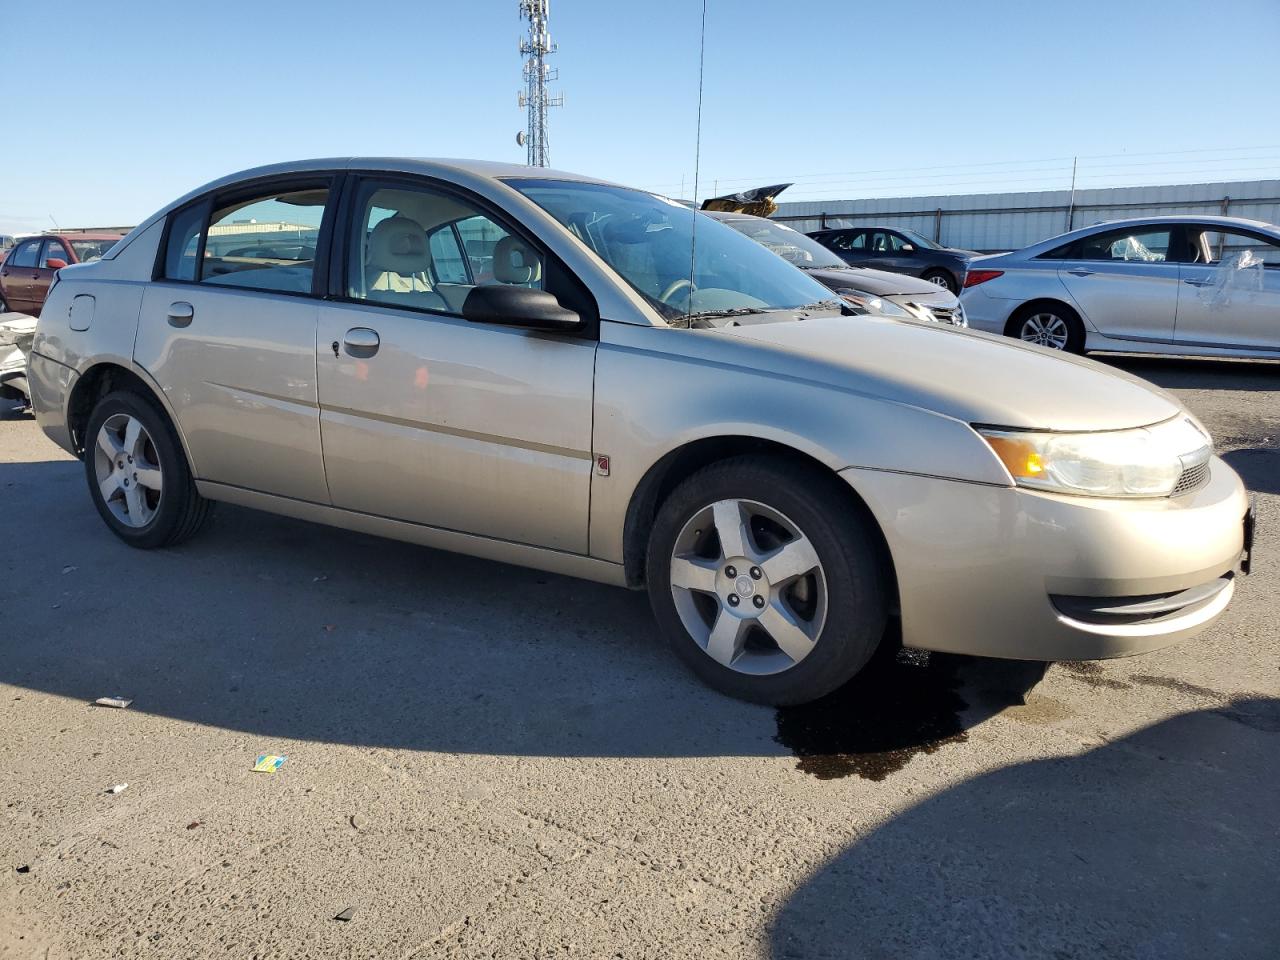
(138,474)
(768,580)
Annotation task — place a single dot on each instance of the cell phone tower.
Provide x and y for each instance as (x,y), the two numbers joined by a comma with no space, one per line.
(535,99)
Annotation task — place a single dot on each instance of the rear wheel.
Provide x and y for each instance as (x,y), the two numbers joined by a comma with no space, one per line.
(138,474)
(942,278)
(1048,325)
(767,580)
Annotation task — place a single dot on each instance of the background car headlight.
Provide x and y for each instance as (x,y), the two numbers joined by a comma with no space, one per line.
(1145,462)
(877,305)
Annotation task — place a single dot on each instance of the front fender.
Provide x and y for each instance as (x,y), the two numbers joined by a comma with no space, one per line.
(656,392)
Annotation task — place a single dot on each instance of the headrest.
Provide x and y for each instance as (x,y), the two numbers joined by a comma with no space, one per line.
(399,245)
(515,262)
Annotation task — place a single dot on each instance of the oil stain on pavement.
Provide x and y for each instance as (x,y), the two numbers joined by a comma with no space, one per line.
(873,725)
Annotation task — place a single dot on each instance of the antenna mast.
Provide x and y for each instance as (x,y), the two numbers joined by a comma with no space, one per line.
(535,99)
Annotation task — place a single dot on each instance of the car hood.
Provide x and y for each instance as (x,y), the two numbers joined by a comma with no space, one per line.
(971,376)
(879,283)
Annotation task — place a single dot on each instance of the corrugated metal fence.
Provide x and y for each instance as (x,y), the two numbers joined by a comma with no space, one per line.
(1009,221)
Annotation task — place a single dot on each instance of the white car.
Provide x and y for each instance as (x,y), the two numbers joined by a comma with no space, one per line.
(1181,285)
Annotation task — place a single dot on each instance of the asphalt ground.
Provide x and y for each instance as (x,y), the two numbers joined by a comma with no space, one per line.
(485,761)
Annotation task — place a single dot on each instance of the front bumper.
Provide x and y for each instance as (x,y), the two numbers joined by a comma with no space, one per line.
(1007,572)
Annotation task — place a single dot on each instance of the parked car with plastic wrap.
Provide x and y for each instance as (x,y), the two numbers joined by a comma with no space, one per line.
(16,333)
(1181,285)
(608,399)
(871,291)
(900,251)
(28,270)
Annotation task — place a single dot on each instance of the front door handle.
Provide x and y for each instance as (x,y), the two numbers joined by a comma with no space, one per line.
(361,342)
(1081,272)
(1196,283)
(180,314)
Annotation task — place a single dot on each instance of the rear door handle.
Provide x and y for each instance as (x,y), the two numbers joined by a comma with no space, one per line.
(361,342)
(1196,283)
(181,314)
(1081,272)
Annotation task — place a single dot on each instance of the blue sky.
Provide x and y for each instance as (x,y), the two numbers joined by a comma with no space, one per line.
(132,104)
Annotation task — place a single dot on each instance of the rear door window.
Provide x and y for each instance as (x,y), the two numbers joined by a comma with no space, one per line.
(1141,245)
(266,242)
(24,254)
(852,240)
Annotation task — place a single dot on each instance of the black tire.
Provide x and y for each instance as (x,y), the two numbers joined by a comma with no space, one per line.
(181,511)
(1075,326)
(847,545)
(947,278)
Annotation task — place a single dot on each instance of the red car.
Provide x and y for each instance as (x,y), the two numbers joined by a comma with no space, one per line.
(28,270)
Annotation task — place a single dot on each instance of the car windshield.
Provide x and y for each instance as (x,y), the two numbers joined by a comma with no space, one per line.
(921,241)
(790,245)
(647,239)
(87,250)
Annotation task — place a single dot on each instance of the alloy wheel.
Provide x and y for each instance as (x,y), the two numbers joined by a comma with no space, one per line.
(938,280)
(748,586)
(128,471)
(1046,329)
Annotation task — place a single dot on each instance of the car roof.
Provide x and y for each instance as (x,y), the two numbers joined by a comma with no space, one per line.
(1203,220)
(491,169)
(96,235)
(1184,218)
(448,168)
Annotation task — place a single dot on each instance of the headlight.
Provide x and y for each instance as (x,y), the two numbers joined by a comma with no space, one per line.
(878,305)
(1146,462)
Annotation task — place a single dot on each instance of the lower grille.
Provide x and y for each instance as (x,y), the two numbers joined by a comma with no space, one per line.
(1149,608)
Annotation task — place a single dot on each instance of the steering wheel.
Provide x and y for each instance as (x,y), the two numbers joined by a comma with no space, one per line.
(675,287)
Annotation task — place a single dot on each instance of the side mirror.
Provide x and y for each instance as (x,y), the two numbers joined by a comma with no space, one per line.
(514,306)
(54,263)
(907,248)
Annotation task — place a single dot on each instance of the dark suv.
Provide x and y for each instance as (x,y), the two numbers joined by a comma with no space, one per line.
(28,270)
(902,251)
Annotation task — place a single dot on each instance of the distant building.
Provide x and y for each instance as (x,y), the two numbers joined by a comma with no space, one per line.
(1010,221)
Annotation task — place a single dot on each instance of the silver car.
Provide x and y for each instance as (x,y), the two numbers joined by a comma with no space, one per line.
(1182,285)
(529,366)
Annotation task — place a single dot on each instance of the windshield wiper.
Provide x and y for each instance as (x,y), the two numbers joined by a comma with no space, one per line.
(730,312)
(832,304)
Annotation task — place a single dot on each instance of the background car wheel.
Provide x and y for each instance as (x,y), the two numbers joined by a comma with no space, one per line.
(942,278)
(768,581)
(138,474)
(1050,325)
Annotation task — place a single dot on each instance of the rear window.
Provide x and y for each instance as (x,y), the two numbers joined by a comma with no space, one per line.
(90,250)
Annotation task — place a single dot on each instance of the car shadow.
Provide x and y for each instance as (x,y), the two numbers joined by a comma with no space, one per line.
(1174,373)
(1162,844)
(13,410)
(286,629)
(1259,467)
